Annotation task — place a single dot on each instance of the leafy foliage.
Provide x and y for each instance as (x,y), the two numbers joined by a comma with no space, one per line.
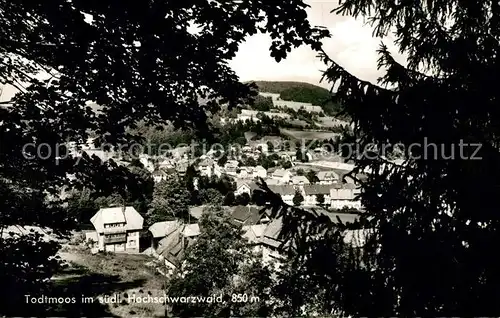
(229,199)
(298,198)
(220,263)
(171,200)
(270,147)
(262,103)
(286,164)
(210,196)
(242,199)
(320,198)
(301,155)
(312,176)
(136,61)
(30,279)
(314,95)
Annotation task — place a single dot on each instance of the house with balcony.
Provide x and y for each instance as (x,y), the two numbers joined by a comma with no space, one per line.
(118,229)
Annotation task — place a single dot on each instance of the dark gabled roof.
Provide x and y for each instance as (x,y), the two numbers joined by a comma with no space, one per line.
(271,234)
(345,185)
(344,217)
(172,247)
(160,172)
(253,186)
(250,184)
(176,249)
(315,189)
(273,229)
(282,189)
(246,215)
(176,254)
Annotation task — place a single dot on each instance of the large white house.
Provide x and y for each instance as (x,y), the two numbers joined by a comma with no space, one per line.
(118,229)
(345,197)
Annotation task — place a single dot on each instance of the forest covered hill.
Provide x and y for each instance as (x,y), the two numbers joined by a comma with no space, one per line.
(301,92)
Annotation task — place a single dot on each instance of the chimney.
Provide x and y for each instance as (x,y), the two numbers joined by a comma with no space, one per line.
(123,211)
(183,238)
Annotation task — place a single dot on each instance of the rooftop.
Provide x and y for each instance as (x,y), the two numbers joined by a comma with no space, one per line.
(254,232)
(162,229)
(282,189)
(314,189)
(128,215)
(247,215)
(191,230)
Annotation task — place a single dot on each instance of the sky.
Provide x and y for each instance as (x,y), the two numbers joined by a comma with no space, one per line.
(351,45)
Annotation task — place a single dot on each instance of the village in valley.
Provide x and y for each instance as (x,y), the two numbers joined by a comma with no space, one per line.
(117,238)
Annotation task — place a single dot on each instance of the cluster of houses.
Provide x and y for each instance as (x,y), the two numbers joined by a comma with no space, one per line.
(333,189)
(336,195)
(279,103)
(118,229)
